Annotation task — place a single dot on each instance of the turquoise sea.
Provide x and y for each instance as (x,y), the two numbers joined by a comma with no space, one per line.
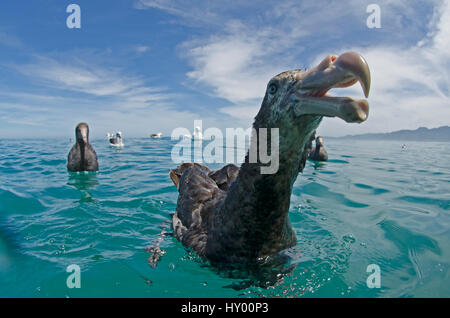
(371,203)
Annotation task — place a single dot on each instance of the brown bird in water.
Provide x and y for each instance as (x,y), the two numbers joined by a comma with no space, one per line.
(318,153)
(82,156)
(239,215)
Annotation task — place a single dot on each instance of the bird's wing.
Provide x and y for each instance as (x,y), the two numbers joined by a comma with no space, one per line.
(222,177)
(225,176)
(198,195)
(92,159)
(175,174)
(70,159)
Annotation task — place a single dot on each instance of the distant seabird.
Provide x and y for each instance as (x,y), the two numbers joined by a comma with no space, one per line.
(318,153)
(116,140)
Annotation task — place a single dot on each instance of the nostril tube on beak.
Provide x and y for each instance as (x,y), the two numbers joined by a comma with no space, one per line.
(326,62)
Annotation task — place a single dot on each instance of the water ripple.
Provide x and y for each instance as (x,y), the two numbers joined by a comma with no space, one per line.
(359,208)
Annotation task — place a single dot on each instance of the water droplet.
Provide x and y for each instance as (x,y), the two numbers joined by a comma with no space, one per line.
(349,238)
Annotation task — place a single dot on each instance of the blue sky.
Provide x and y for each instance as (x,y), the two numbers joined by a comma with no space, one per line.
(145,66)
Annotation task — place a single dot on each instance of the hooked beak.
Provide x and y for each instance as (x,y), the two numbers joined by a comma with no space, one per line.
(343,71)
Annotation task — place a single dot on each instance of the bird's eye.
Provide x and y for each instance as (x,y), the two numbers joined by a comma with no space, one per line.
(272,89)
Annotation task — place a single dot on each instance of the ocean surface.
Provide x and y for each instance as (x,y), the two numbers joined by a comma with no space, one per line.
(371,203)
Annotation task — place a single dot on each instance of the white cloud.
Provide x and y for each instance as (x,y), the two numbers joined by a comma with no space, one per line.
(80,76)
(236,47)
(57,115)
(65,92)
(408,56)
(140,49)
(232,67)
(204,13)
(410,86)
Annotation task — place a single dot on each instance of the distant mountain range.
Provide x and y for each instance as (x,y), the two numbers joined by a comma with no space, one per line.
(420,134)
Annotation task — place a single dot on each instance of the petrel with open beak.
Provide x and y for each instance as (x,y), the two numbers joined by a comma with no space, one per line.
(247,219)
